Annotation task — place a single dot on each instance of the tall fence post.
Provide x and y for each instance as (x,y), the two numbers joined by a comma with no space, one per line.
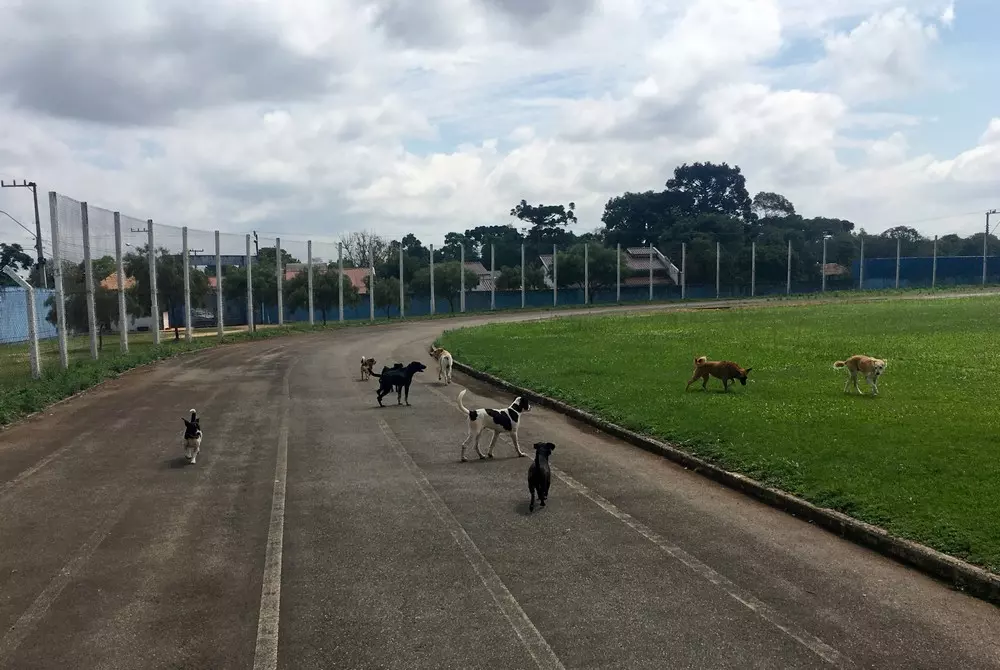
(57,279)
(309,282)
(220,303)
(522,276)
(861,267)
(88,276)
(822,268)
(120,277)
(371,289)
(788,270)
(650,271)
(340,281)
(718,273)
(555,282)
(34,360)
(188,334)
(249,269)
(986,239)
(433,306)
(402,287)
(154,300)
(934,264)
(618,272)
(899,246)
(586,274)
(493,276)
(461,275)
(684,269)
(753,268)
(281,280)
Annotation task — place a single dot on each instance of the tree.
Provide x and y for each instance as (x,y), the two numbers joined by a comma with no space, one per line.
(548,223)
(364,249)
(326,296)
(509,278)
(598,272)
(637,219)
(75,292)
(386,293)
(772,205)
(266,256)
(14,256)
(715,189)
(447,281)
(506,241)
(169,283)
(451,251)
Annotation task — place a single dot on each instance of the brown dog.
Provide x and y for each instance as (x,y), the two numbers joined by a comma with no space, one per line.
(366,367)
(727,371)
(871,368)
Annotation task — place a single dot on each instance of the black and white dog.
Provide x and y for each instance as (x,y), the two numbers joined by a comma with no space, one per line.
(497,420)
(192,437)
(539,474)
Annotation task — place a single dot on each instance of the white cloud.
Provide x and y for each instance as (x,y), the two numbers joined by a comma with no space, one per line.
(315,118)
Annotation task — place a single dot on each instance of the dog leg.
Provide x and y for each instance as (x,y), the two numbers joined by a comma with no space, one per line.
(531,505)
(489,452)
(725,386)
(513,438)
(478,436)
(407,390)
(855,377)
(467,440)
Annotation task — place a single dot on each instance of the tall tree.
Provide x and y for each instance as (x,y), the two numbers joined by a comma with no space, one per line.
(364,249)
(386,294)
(169,283)
(75,291)
(767,204)
(506,241)
(548,223)
(637,219)
(715,188)
(14,256)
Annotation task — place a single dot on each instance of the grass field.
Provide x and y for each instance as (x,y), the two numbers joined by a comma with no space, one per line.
(921,460)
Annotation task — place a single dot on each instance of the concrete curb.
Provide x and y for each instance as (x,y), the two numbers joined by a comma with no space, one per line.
(957,573)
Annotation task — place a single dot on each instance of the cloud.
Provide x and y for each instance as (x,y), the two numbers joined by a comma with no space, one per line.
(315,118)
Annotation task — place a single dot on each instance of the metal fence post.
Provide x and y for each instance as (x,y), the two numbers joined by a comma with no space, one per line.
(788,276)
(249,270)
(718,274)
(120,276)
(493,276)
(684,274)
(340,280)
(57,279)
(402,293)
(88,276)
(309,282)
(861,267)
(618,272)
(433,306)
(753,268)
(899,246)
(281,281)
(586,274)
(35,361)
(154,300)
(555,282)
(651,271)
(461,262)
(522,276)
(220,303)
(934,264)
(188,334)
(822,268)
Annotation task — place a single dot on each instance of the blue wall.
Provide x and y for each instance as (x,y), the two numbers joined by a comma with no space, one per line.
(14,315)
(915,271)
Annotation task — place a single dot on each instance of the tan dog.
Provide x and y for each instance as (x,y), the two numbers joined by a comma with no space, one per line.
(366,368)
(871,368)
(444,360)
(727,371)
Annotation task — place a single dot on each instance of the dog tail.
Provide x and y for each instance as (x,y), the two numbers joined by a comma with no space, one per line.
(701,360)
(461,394)
(194,415)
(840,364)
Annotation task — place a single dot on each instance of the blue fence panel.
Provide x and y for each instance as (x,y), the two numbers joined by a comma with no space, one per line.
(14,315)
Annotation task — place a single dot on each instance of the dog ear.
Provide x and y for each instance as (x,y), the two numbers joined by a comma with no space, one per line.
(748,371)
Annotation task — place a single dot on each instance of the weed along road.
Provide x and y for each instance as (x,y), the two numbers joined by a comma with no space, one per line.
(318,530)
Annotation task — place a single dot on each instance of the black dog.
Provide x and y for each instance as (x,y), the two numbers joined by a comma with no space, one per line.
(399,378)
(539,475)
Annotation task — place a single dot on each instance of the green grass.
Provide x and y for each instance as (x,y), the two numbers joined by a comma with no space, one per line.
(921,460)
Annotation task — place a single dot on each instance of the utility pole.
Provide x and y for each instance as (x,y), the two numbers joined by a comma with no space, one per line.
(986,239)
(38,224)
(256,244)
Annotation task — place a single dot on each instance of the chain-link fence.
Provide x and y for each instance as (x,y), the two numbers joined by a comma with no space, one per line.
(120,283)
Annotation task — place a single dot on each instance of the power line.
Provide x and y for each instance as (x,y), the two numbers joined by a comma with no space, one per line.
(26,229)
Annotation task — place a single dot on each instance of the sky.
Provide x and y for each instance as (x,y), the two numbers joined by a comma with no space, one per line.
(314,118)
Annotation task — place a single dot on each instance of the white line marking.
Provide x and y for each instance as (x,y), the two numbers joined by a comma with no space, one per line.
(265,656)
(525,630)
(811,642)
(27,622)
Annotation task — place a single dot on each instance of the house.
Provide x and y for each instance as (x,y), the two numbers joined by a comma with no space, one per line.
(835,270)
(486,278)
(638,260)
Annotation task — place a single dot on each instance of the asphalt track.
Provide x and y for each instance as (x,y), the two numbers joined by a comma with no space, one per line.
(320,531)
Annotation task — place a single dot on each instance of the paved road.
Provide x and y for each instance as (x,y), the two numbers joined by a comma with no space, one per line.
(320,531)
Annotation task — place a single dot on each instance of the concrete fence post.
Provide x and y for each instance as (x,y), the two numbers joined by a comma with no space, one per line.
(88,276)
(120,277)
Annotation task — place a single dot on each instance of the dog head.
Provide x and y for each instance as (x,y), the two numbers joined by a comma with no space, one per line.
(544,449)
(435,352)
(415,367)
(193,424)
(520,404)
(367,363)
(743,375)
(879,366)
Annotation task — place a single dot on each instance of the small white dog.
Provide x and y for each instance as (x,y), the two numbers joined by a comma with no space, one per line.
(192,437)
(507,420)
(444,360)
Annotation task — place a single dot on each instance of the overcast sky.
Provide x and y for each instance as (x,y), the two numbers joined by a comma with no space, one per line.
(316,117)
